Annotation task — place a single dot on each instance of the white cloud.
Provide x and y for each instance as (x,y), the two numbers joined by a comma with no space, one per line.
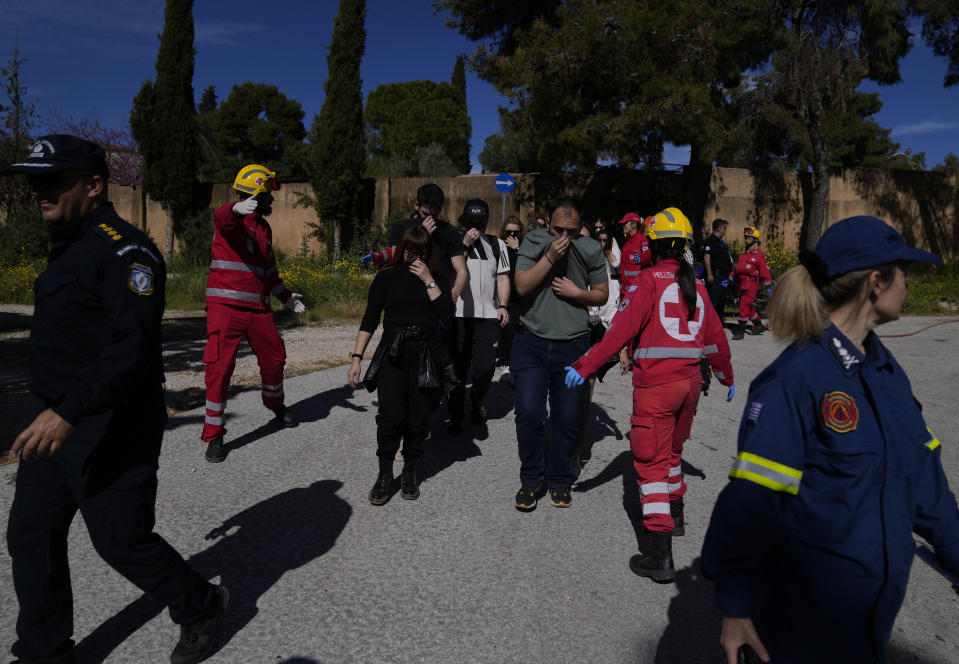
(222,33)
(925,127)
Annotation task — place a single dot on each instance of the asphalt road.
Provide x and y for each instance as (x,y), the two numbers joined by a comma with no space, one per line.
(317,574)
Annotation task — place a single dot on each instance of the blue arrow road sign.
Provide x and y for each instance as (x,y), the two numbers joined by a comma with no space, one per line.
(505,182)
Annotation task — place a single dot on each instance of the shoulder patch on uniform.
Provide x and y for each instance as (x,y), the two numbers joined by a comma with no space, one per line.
(632,289)
(108,232)
(140,280)
(138,247)
(839,412)
(753,411)
(622,305)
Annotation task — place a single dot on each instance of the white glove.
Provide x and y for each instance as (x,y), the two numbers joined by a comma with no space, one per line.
(294,304)
(245,207)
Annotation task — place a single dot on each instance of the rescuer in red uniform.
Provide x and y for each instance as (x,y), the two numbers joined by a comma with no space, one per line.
(243,276)
(670,327)
(634,255)
(750,269)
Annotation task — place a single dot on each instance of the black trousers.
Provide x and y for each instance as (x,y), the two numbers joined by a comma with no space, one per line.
(717,293)
(120,523)
(405,407)
(507,334)
(474,353)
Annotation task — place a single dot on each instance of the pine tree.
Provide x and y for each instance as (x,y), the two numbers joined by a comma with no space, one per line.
(339,145)
(461,156)
(163,121)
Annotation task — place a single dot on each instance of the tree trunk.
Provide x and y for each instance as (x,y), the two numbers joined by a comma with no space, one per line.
(168,240)
(812,226)
(336,239)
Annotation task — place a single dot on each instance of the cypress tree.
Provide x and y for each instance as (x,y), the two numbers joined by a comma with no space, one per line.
(461,156)
(339,145)
(163,120)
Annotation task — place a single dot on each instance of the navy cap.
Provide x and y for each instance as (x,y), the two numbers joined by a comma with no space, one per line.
(858,243)
(60,152)
(476,208)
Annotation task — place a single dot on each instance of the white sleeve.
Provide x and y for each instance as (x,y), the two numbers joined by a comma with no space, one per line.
(503,266)
(617,254)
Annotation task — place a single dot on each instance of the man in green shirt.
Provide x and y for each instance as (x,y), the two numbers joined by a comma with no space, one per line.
(559,275)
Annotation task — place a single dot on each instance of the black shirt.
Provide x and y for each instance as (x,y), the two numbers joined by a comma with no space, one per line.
(403,297)
(448,242)
(719,258)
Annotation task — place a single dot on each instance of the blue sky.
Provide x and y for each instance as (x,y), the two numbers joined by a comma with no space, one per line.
(91,56)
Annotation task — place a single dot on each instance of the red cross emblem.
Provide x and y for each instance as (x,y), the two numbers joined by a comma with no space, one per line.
(672,314)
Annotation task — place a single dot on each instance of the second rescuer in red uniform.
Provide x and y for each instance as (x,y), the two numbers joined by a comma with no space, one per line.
(749,270)
(243,276)
(665,319)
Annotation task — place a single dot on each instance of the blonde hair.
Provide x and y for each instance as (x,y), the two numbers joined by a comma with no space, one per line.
(799,312)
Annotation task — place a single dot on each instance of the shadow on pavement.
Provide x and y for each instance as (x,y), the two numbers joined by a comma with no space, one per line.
(318,406)
(252,551)
(622,467)
(695,623)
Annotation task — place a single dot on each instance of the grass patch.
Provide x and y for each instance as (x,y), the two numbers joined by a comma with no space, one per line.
(933,291)
(16,280)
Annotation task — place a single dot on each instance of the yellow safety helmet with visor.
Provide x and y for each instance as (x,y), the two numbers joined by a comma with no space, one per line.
(255,179)
(670,224)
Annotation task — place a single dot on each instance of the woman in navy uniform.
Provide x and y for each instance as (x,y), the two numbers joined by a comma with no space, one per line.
(810,543)
(96,366)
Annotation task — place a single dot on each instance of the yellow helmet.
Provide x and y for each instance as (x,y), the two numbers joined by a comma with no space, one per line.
(254,179)
(749,231)
(669,224)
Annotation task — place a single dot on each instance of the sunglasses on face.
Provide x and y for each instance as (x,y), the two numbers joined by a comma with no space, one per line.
(511,233)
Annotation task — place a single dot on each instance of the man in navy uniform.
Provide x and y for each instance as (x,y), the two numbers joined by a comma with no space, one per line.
(97,368)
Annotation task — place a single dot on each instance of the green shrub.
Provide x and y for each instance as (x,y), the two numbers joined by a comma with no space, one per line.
(17,277)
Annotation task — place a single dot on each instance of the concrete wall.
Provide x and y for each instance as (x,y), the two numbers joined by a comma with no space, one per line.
(924,206)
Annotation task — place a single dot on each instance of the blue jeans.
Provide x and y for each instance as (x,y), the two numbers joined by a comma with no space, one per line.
(537,367)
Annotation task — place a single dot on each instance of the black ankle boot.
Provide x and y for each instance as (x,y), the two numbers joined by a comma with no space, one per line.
(658,563)
(739,331)
(676,511)
(380,493)
(408,488)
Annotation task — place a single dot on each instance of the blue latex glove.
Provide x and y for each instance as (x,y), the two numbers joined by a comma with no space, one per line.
(769,292)
(367,257)
(731,393)
(573,379)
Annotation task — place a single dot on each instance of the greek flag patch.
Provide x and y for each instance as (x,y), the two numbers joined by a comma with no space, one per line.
(140,280)
(753,411)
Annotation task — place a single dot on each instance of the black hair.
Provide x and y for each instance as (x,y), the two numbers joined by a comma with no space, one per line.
(418,241)
(570,204)
(673,248)
(719,222)
(431,195)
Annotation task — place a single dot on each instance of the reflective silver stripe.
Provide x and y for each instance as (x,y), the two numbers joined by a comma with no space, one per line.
(779,481)
(279,288)
(271,393)
(662,234)
(214,406)
(655,508)
(236,265)
(631,273)
(233,294)
(720,375)
(669,215)
(712,348)
(675,470)
(643,353)
(653,487)
(675,486)
(216,421)
(272,387)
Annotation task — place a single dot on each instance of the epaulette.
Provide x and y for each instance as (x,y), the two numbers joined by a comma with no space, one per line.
(107,232)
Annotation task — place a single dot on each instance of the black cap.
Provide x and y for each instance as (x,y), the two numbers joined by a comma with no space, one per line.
(60,152)
(476,208)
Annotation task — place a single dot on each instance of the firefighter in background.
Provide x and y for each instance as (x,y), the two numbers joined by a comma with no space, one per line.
(750,269)
(670,327)
(243,276)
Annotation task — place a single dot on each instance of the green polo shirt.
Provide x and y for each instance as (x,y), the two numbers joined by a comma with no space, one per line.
(543,312)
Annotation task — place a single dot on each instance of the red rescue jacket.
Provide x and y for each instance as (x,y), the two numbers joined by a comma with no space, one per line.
(752,265)
(666,346)
(629,269)
(243,272)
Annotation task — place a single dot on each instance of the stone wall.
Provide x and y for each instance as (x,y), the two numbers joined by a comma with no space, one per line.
(924,206)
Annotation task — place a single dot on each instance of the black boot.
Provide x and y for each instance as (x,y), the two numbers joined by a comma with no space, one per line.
(758,328)
(216,450)
(676,511)
(408,488)
(739,331)
(285,416)
(658,563)
(380,493)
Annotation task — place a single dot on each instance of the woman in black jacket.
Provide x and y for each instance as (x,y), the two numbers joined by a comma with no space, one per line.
(409,366)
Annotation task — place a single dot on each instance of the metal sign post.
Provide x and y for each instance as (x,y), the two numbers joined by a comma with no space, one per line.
(505,183)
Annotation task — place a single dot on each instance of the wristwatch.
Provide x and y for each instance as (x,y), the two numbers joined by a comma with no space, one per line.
(430,285)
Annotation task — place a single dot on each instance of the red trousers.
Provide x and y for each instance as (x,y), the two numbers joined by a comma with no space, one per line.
(662,417)
(226,326)
(747,297)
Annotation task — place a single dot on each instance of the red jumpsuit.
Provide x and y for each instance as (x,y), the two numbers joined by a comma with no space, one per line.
(634,257)
(749,270)
(243,275)
(667,348)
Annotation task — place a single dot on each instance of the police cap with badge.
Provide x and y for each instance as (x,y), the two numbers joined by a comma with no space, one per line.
(60,152)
